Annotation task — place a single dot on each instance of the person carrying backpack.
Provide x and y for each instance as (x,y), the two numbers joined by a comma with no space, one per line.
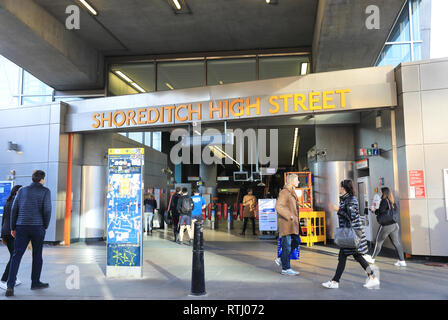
(388,226)
(185,206)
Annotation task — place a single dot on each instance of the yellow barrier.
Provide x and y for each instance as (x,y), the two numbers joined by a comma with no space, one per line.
(313,226)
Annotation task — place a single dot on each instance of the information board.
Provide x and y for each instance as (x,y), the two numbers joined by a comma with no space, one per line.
(5,190)
(124,212)
(416,184)
(267,219)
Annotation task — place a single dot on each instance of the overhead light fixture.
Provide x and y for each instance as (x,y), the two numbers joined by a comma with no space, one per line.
(304,68)
(271,1)
(122,75)
(177,4)
(296,133)
(220,82)
(169,86)
(137,87)
(89,7)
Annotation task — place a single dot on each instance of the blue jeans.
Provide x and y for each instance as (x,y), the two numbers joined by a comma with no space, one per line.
(148,218)
(289,243)
(25,234)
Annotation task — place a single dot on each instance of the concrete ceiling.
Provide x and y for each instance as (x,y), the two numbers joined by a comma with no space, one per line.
(34,35)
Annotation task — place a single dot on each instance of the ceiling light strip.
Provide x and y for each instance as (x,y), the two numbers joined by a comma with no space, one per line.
(177,4)
(296,131)
(89,7)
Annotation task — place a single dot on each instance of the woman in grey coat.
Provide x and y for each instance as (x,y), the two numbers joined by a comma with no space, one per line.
(348,214)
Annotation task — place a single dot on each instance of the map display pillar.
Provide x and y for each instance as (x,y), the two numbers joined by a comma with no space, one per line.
(124,213)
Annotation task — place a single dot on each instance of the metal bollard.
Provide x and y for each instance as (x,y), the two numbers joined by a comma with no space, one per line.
(197,274)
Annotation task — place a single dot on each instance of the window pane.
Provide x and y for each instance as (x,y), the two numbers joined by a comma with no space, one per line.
(275,67)
(157,141)
(136,136)
(9,80)
(223,71)
(131,78)
(401,30)
(415,5)
(123,133)
(33,86)
(36,100)
(418,51)
(180,75)
(395,54)
(148,138)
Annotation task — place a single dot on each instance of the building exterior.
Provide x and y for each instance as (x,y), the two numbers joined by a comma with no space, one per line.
(352,86)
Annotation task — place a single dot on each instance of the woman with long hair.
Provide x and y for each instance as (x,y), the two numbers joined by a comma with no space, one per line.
(7,238)
(388,227)
(348,215)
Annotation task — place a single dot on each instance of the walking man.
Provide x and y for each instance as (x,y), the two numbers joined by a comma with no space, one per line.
(30,216)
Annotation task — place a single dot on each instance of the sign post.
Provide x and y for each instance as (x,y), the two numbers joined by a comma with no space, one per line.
(267,217)
(5,190)
(124,213)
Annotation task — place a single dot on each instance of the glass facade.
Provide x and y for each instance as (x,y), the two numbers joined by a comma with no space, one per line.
(405,41)
(162,75)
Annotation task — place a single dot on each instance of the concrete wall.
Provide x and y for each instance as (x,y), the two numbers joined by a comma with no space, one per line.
(337,142)
(37,131)
(422,142)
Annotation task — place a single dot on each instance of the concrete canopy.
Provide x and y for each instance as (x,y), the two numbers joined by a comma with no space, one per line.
(34,35)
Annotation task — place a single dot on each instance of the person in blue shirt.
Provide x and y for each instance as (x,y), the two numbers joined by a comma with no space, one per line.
(199,204)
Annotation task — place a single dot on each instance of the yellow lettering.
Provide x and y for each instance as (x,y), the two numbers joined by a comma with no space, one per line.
(149,115)
(285,98)
(240,107)
(342,92)
(108,119)
(212,109)
(178,118)
(249,106)
(140,116)
(170,112)
(97,124)
(298,101)
(274,103)
(326,99)
(312,100)
(130,115)
(123,118)
(191,111)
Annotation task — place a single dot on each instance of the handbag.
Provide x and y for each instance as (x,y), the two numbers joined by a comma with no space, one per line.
(347,237)
(388,217)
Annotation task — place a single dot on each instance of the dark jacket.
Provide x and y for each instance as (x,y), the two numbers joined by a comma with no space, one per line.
(179,206)
(150,205)
(173,205)
(6,219)
(349,212)
(32,206)
(384,209)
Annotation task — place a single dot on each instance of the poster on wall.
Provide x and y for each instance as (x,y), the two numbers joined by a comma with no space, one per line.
(124,211)
(416,184)
(267,219)
(445,179)
(5,190)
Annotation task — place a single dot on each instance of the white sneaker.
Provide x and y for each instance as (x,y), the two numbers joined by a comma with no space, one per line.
(290,272)
(3,285)
(331,285)
(372,283)
(369,259)
(294,271)
(278,262)
(18,282)
(400,263)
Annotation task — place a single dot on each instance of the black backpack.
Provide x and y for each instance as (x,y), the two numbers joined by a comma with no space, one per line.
(187,205)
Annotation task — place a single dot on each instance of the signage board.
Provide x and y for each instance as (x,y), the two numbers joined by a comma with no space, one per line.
(362,164)
(267,215)
(124,212)
(240,176)
(416,184)
(5,190)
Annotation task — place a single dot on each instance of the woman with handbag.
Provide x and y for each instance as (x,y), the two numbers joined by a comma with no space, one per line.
(350,224)
(385,216)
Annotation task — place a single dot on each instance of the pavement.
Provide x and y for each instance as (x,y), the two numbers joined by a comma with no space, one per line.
(236,268)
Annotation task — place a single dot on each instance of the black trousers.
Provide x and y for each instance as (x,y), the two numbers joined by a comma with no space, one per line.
(25,234)
(343,260)
(10,244)
(175,226)
(245,225)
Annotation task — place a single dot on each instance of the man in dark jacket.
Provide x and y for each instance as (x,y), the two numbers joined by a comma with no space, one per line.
(174,213)
(30,216)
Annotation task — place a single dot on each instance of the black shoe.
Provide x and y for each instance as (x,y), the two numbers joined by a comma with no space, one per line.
(242,234)
(9,292)
(39,285)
